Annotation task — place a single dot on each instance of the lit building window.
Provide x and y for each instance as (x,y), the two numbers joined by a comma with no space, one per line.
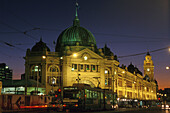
(93,67)
(106,81)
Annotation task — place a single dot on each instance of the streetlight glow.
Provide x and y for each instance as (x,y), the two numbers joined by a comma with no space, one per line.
(44,57)
(106,71)
(74,55)
(167,67)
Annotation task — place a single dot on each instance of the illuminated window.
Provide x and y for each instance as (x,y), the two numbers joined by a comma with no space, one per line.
(106,81)
(93,67)
(36,68)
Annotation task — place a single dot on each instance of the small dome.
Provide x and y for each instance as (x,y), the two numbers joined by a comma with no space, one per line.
(40,46)
(75,35)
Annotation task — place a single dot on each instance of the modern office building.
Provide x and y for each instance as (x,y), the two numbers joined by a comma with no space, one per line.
(5,72)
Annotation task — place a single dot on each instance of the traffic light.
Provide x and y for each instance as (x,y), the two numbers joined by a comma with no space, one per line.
(59,90)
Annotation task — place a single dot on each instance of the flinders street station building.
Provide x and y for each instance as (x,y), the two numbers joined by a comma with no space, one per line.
(77,59)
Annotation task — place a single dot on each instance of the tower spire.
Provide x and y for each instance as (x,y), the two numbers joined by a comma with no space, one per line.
(76,21)
(77,5)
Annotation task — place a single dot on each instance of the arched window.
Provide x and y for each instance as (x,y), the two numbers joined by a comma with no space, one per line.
(54,69)
(107,77)
(36,72)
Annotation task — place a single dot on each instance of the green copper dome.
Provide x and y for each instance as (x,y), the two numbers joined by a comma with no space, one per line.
(75,35)
(40,46)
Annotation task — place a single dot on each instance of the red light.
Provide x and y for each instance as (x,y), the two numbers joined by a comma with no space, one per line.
(53,105)
(56,96)
(43,106)
(59,90)
(159,98)
(76,105)
(64,105)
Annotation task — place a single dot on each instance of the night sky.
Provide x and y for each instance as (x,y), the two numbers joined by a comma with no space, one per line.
(126,26)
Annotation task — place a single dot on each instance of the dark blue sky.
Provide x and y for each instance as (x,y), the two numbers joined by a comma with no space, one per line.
(126,26)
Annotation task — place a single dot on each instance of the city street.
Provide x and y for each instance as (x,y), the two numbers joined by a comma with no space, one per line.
(122,110)
(131,111)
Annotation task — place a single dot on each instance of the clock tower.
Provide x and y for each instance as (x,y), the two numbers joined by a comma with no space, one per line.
(148,66)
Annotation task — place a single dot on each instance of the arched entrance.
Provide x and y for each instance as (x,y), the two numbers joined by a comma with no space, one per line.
(88,82)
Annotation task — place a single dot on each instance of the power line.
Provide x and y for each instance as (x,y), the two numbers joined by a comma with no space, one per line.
(11,45)
(25,33)
(130,36)
(156,50)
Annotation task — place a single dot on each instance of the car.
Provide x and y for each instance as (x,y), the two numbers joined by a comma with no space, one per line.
(165,106)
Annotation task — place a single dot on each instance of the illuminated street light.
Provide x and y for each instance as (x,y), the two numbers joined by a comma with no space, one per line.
(106,72)
(74,55)
(167,67)
(44,57)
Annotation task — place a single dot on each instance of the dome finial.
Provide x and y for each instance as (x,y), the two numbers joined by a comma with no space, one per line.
(76,21)
(77,5)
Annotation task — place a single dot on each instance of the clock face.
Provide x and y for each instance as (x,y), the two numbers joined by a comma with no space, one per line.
(85,57)
(148,69)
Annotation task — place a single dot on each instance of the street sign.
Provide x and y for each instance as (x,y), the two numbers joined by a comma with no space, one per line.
(18,102)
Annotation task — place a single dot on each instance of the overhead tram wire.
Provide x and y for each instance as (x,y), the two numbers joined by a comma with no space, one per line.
(131,36)
(25,33)
(132,55)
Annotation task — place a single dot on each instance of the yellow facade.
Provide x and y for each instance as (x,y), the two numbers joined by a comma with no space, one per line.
(78,60)
(87,67)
